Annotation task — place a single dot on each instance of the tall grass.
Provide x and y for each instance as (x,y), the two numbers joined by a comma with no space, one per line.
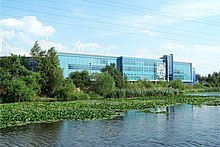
(128,93)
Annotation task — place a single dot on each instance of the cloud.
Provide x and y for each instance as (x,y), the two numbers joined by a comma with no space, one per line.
(87,47)
(93,48)
(59,47)
(205,58)
(29,25)
(151,33)
(20,34)
(8,34)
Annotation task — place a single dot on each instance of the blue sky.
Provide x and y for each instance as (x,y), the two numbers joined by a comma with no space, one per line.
(189,29)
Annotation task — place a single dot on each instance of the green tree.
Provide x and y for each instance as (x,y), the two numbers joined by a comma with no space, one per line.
(80,79)
(66,92)
(48,67)
(103,84)
(120,81)
(212,80)
(17,82)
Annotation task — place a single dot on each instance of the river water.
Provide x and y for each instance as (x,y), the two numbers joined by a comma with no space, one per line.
(183,125)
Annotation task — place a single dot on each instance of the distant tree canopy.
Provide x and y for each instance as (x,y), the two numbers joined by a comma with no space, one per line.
(120,81)
(210,80)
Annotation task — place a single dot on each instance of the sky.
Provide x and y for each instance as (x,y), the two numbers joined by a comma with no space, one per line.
(188,29)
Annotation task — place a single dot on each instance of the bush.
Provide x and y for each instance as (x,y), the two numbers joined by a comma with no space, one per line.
(103,84)
(81,96)
(198,85)
(17,91)
(177,84)
(67,90)
(148,84)
(162,84)
(129,93)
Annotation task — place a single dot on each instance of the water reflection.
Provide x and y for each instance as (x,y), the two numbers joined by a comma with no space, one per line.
(181,125)
(31,135)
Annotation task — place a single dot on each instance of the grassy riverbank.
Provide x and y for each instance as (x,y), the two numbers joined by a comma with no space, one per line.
(13,114)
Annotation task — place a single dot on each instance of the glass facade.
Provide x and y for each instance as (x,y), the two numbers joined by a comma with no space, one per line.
(183,71)
(70,62)
(134,68)
(140,68)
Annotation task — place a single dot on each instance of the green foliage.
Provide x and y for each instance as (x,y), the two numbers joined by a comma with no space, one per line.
(80,79)
(17,91)
(24,113)
(17,83)
(81,96)
(198,85)
(120,81)
(177,84)
(48,66)
(66,91)
(129,93)
(162,84)
(103,84)
(212,80)
(141,84)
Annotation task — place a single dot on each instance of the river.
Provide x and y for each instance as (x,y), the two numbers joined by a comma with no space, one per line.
(182,125)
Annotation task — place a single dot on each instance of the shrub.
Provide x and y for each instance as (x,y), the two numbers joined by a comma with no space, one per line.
(103,84)
(67,90)
(129,93)
(177,84)
(17,91)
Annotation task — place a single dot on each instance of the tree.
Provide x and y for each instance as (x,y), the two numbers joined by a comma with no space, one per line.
(111,69)
(80,79)
(48,67)
(67,90)
(103,84)
(212,80)
(17,82)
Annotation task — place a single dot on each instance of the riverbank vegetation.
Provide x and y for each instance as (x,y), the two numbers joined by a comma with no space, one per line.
(28,78)
(33,89)
(14,114)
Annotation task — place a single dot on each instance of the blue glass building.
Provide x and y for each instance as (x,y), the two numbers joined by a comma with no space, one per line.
(132,67)
(70,62)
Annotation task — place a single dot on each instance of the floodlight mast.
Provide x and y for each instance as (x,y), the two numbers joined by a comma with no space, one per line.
(3,42)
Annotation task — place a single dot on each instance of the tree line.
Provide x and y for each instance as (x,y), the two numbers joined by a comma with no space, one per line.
(212,80)
(28,78)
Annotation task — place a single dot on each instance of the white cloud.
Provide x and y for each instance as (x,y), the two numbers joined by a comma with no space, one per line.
(205,58)
(8,34)
(29,25)
(21,34)
(151,33)
(87,47)
(46,44)
(93,48)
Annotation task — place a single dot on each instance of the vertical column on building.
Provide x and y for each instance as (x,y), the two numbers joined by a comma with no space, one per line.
(169,66)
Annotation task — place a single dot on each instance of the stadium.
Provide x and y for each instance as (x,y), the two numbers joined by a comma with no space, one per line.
(134,68)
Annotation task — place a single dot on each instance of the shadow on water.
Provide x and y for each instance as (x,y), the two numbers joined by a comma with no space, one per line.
(181,125)
(31,135)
